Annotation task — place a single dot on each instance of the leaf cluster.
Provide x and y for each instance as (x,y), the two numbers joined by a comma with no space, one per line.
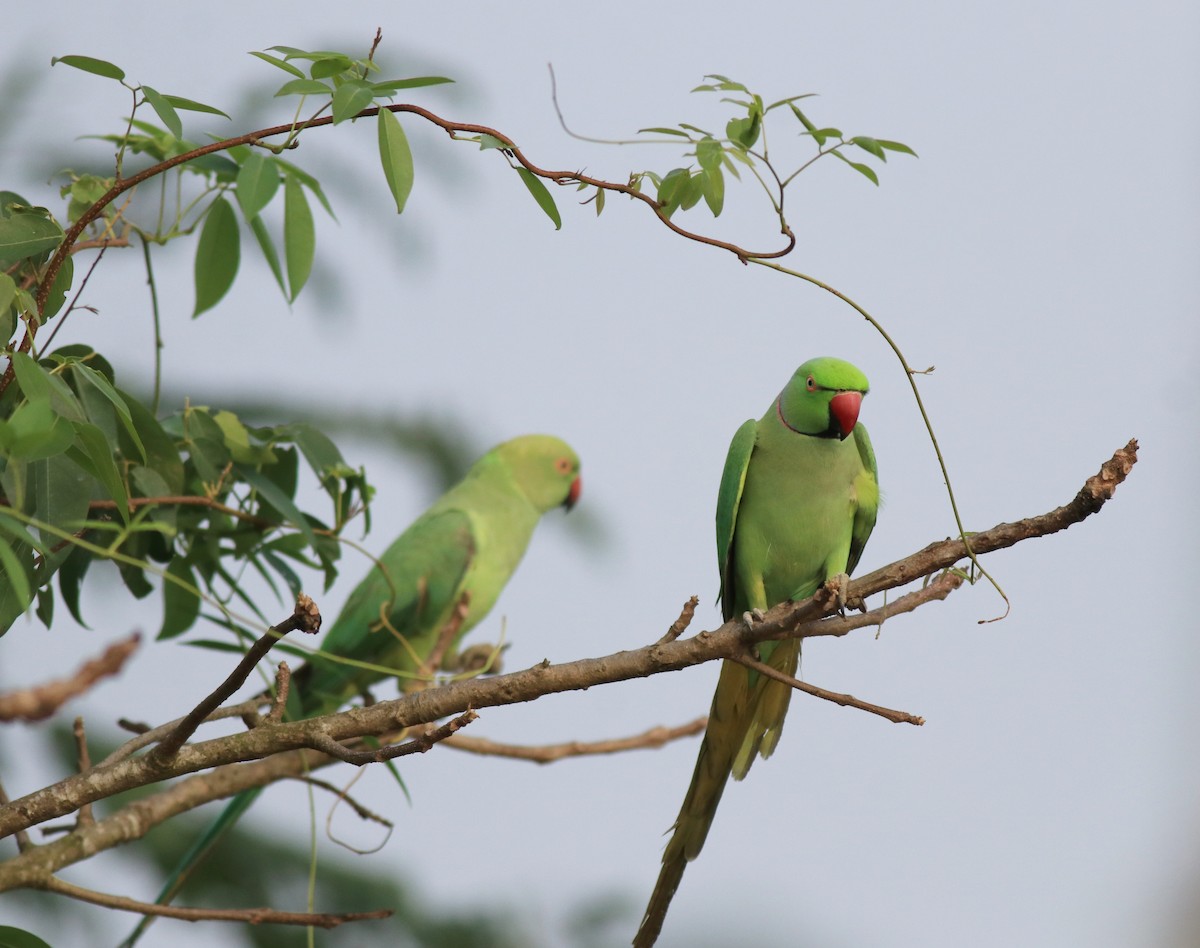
(88,472)
(744,144)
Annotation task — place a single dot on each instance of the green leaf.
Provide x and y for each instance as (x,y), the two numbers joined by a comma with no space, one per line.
(105,388)
(599,201)
(33,431)
(24,235)
(865,170)
(278,63)
(267,245)
(895,146)
(272,494)
(304,87)
(70,579)
(8,292)
(658,130)
(45,608)
(217,255)
(321,453)
(299,238)
(309,182)
(97,67)
(709,153)
(692,191)
(94,455)
(33,379)
(257,182)
(135,580)
(713,185)
(188,105)
(671,190)
(541,195)
(164,110)
(61,494)
(487,141)
(326,65)
(16,578)
(868,144)
(350,98)
(19,938)
(789,100)
(388,86)
(237,439)
(181,605)
(59,289)
(162,453)
(745,131)
(396,157)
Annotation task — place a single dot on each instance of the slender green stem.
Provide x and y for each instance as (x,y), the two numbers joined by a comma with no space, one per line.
(912,382)
(158,341)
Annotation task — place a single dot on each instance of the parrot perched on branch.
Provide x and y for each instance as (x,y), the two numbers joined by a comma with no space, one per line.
(455,558)
(442,575)
(796,505)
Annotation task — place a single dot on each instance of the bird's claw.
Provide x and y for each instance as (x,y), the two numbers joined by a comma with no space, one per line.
(480,659)
(834,592)
(751,616)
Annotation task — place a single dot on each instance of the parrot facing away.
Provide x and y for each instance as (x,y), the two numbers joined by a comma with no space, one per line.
(455,558)
(797,502)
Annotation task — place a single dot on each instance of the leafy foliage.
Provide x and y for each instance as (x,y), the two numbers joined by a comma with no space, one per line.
(745,143)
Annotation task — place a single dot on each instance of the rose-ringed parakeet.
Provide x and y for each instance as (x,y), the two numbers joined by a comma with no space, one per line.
(451,564)
(458,555)
(797,501)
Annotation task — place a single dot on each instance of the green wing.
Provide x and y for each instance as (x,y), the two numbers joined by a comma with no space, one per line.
(729,497)
(394,615)
(868,499)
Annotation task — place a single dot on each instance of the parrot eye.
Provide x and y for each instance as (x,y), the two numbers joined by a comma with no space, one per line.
(811,384)
(563,465)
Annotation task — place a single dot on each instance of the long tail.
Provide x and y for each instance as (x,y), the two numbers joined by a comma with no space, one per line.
(746,719)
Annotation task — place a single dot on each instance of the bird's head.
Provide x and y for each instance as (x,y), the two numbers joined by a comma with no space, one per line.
(545,468)
(823,398)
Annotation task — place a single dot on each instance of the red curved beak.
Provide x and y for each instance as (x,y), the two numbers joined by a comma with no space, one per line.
(844,407)
(573,493)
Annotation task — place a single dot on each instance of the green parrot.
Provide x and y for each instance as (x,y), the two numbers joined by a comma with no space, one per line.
(458,555)
(796,505)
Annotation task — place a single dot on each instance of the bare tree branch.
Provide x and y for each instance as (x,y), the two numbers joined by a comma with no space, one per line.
(548,753)
(262,748)
(250,916)
(846,701)
(41,701)
(419,745)
(306,616)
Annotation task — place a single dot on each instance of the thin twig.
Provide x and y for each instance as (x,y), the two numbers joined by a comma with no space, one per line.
(679,626)
(283,685)
(306,617)
(433,661)
(85,764)
(187,500)
(549,753)
(250,916)
(344,797)
(847,701)
(419,745)
(41,701)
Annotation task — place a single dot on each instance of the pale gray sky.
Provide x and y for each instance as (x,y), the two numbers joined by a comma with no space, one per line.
(1041,253)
